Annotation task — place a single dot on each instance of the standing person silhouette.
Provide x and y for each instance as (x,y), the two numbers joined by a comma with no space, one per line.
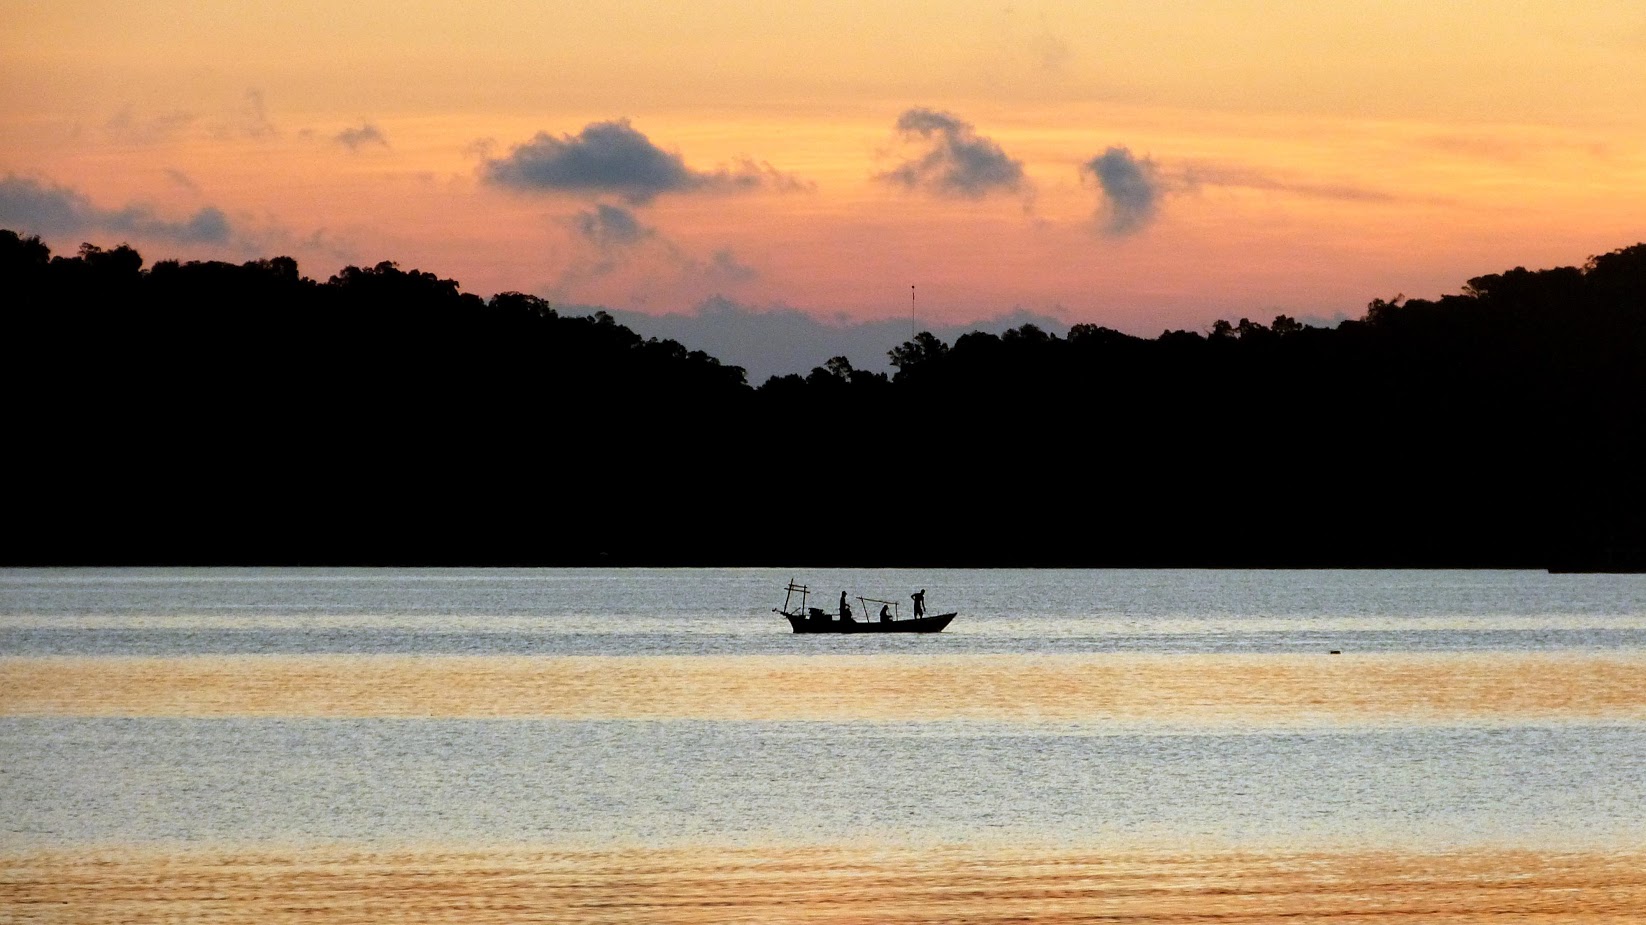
(919,602)
(845,608)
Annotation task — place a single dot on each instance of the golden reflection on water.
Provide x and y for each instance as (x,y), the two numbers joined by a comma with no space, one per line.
(1187,689)
(838,885)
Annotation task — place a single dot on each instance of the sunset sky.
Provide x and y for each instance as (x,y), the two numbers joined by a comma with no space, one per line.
(1142,165)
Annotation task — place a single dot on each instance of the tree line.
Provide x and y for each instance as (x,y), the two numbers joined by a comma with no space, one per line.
(206,412)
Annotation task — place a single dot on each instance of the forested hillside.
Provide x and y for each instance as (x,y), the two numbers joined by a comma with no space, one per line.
(201,413)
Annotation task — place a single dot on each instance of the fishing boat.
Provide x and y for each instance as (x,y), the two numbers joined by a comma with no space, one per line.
(888,619)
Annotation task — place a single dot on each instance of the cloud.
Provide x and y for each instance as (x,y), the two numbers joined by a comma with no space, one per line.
(254,118)
(763,174)
(1131,190)
(779,340)
(32,207)
(611,239)
(725,266)
(182,179)
(356,138)
(1246,178)
(614,238)
(957,162)
(207,226)
(125,127)
(1051,53)
(612,158)
(244,118)
(26,205)
(274,238)
(609,227)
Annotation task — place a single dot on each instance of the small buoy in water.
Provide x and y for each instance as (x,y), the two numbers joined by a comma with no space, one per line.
(1337,651)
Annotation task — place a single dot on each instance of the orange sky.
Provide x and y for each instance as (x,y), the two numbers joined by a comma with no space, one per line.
(1140,165)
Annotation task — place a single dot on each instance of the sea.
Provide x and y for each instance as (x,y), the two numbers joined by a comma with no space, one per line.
(656,746)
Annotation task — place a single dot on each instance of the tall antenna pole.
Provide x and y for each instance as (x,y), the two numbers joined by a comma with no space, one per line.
(912,322)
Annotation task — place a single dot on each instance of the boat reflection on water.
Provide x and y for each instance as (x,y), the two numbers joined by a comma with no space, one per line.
(807,619)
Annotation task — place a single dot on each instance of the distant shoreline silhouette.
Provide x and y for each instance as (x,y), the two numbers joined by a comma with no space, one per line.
(197,413)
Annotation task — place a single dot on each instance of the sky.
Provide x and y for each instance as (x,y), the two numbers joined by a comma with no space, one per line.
(760,175)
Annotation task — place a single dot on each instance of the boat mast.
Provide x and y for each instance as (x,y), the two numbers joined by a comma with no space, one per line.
(788,595)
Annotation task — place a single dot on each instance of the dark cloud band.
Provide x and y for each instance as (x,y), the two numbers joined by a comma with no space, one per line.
(31,206)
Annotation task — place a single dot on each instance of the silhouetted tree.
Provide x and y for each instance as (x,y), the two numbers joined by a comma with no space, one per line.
(909,355)
(211,412)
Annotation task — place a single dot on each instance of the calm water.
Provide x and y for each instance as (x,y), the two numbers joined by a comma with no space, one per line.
(728,611)
(1074,738)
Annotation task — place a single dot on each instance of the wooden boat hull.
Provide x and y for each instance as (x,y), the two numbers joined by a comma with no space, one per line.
(929,624)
